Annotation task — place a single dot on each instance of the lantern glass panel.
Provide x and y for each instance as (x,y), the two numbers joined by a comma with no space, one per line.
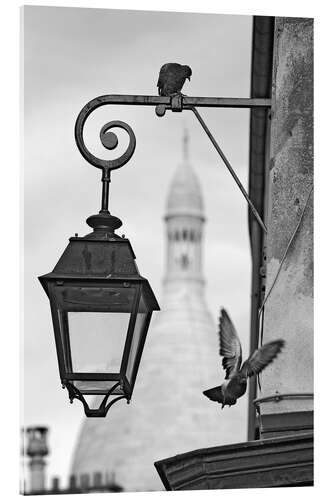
(93,323)
(139,331)
(97,341)
(96,386)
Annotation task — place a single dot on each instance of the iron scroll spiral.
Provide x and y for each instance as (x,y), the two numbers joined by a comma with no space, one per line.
(108,139)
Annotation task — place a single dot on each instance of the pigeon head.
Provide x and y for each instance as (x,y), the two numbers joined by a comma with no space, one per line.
(187,72)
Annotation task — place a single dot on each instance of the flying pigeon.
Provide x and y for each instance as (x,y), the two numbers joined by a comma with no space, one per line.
(235,383)
(172,78)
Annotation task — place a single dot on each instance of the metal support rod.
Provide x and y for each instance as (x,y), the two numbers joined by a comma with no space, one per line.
(229,167)
(105,190)
(152,100)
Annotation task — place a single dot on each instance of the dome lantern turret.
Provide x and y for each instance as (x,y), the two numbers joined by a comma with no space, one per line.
(184,196)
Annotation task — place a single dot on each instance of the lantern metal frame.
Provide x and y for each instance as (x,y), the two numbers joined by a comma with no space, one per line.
(59,280)
(123,381)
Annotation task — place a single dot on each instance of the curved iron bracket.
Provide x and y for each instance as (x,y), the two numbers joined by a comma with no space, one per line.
(75,393)
(109,141)
(175,103)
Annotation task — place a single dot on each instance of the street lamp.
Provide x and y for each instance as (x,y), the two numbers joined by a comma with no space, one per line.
(101,306)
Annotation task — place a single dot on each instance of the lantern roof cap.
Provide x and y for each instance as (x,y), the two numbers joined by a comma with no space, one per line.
(96,258)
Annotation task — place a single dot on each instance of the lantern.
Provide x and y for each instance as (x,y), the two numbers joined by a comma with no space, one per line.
(101,308)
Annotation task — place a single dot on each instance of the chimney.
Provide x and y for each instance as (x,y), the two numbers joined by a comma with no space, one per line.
(84,482)
(73,484)
(36,451)
(55,485)
(97,480)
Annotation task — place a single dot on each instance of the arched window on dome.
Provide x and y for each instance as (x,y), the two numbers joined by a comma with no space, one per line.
(185,234)
(184,261)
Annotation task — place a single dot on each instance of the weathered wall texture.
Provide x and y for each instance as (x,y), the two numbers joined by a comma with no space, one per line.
(289,309)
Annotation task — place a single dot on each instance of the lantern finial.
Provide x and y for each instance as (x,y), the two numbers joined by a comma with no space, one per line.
(104,224)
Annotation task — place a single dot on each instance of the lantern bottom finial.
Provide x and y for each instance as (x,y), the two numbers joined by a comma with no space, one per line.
(104,407)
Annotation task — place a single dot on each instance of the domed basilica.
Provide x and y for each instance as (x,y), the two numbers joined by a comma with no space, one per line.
(168,413)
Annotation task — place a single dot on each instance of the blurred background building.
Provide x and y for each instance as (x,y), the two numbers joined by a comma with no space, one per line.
(168,413)
(34,461)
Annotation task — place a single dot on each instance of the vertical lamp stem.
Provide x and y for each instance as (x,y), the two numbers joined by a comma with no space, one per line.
(106,179)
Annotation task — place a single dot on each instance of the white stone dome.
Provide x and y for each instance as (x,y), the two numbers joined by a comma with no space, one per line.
(185,194)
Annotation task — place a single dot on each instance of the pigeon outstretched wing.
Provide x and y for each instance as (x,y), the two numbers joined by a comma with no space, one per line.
(230,346)
(260,358)
(215,394)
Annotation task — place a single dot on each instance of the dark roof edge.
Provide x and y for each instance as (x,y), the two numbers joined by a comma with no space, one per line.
(199,469)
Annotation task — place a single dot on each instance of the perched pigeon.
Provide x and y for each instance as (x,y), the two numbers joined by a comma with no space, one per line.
(172,78)
(235,382)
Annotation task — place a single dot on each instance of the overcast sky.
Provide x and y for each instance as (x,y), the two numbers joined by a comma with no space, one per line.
(72,55)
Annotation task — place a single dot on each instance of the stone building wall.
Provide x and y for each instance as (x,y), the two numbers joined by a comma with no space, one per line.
(289,308)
